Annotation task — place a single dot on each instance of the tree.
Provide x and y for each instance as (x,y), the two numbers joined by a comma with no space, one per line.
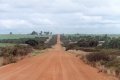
(34,33)
(46,33)
(93,43)
(11,33)
(41,33)
(50,33)
(32,43)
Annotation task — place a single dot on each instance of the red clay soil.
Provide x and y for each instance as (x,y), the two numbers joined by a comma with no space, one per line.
(55,64)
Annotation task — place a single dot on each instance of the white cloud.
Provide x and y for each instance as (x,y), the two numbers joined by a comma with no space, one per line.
(9,24)
(61,14)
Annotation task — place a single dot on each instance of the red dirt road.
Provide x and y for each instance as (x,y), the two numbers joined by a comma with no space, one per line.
(54,64)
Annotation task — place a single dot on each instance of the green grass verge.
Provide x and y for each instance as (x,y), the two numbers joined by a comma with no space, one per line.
(37,52)
(16,36)
(6,44)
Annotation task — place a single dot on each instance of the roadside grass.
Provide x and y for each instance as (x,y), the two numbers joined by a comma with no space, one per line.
(89,49)
(36,52)
(113,52)
(12,53)
(103,51)
(6,44)
(15,53)
(18,36)
(1,61)
(105,60)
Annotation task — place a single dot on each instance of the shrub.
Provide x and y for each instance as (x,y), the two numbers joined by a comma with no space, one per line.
(89,49)
(21,50)
(114,64)
(36,44)
(31,42)
(87,43)
(70,46)
(10,54)
(97,56)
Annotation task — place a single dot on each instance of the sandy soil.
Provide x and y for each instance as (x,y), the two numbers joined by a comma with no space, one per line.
(54,64)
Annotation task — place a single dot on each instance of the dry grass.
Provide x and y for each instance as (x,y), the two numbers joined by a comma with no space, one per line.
(110,66)
(1,61)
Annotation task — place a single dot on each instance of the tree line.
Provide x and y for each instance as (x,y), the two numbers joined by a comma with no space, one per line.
(41,33)
(91,41)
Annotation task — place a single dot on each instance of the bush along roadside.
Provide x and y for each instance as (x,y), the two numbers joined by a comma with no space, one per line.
(104,51)
(36,44)
(13,54)
(105,62)
(19,51)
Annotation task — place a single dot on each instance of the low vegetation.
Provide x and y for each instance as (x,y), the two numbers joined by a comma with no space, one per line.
(97,56)
(16,36)
(51,42)
(6,44)
(22,40)
(11,54)
(15,47)
(104,51)
(109,61)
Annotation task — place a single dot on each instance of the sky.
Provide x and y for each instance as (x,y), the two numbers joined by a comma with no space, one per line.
(60,16)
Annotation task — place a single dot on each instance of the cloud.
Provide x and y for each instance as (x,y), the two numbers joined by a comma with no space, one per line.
(61,15)
(9,24)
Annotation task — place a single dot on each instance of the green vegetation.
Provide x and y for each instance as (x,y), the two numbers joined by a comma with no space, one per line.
(104,50)
(16,36)
(36,52)
(13,49)
(51,42)
(6,44)
(33,34)
(22,40)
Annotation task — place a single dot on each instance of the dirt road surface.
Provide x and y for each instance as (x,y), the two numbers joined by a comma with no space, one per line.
(55,64)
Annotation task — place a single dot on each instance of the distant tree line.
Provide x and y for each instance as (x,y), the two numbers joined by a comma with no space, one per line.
(41,33)
(22,40)
(90,41)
